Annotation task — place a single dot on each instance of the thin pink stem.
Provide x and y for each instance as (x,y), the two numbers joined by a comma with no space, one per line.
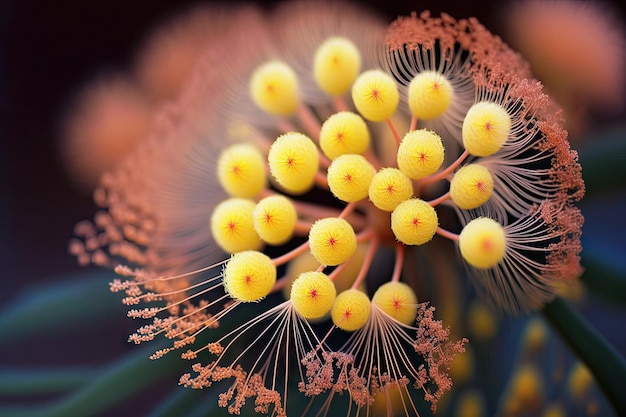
(283,259)
(302,228)
(321,180)
(413,124)
(394,130)
(310,122)
(372,159)
(397,268)
(367,262)
(281,283)
(347,210)
(340,104)
(442,174)
(439,200)
(447,234)
(333,275)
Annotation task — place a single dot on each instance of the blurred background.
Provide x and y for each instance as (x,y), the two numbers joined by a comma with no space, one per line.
(50,52)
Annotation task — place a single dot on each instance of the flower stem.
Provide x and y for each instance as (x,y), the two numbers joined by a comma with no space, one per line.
(442,174)
(394,130)
(447,234)
(397,269)
(606,364)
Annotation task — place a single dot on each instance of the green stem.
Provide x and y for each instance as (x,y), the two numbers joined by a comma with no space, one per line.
(606,364)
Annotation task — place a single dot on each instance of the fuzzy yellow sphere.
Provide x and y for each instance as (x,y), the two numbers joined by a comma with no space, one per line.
(332,241)
(389,187)
(349,177)
(486,128)
(375,95)
(430,95)
(482,243)
(351,310)
(294,160)
(274,219)
(420,153)
(342,133)
(241,171)
(274,88)
(398,300)
(336,64)
(414,222)
(312,294)
(471,186)
(232,225)
(249,276)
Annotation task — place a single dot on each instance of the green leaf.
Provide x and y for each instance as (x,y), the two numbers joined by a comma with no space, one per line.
(44,381)
(606,364)
(121,381)
(64,304)
(602,160)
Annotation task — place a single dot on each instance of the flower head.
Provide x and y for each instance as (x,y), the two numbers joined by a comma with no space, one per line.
(277,152)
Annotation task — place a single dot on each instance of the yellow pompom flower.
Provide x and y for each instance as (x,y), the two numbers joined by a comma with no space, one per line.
(414,222)
(241,171)
(389,187)
(482,243)
(274,88)
(275,219)
(420,153)
(349,177)
(375,95)
(430,94)
(342,133)
(580,381)
(336,64)
(485,128)
(294,160)
(312,294)
(398,300)
(351,310)
(249,276)
(471,186)
(232,225)
(332,241)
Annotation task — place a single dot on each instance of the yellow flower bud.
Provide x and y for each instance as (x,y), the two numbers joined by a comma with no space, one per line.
(414,222)
(274,88)
(232,226)
(482,243)
(332,241)
(249,276)
(430,95)
(375,95)
(389,187)
(485,128)
(342,133)
(275,219)
(293,161)
(336,64)
(351,310)
(241,171)
(420,154)
(398,300)
(471,186)
(312,294)
(349,177)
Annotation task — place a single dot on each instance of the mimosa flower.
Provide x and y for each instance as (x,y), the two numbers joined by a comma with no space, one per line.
(277,150)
